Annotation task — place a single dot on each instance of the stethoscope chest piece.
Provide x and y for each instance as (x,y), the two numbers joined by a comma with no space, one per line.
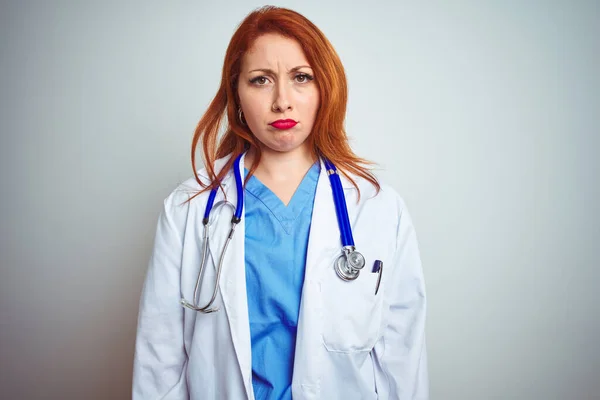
(348,265)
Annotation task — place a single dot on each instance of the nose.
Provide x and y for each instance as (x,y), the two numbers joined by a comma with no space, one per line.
(282,101)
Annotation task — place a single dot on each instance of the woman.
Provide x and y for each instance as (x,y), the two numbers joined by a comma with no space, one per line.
(281,322)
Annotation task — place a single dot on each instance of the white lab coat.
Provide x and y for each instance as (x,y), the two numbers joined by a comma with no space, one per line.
(351,343)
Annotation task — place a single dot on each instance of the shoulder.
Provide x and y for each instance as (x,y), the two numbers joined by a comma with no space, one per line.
(392,197)
(390,211)
(387,203)
(187,194)
(191,187)
(387,195)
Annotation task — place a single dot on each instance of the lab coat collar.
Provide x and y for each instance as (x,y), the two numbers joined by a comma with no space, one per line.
(230,178)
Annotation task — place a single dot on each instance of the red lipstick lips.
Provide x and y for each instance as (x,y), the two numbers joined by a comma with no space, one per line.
(283,123)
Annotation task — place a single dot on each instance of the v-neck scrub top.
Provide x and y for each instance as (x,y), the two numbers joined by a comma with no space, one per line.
(275,256)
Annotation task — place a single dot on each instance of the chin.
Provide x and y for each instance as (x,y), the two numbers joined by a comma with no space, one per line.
(286,143)
(284,148)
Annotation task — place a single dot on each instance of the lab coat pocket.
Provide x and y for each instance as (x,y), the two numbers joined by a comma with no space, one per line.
(352,311)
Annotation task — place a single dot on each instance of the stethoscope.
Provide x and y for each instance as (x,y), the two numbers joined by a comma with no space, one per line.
(347,266)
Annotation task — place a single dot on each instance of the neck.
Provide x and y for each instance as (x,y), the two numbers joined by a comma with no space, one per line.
(281,166)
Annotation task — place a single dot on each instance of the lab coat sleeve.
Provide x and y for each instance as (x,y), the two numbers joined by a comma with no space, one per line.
(401,353)
(160,358)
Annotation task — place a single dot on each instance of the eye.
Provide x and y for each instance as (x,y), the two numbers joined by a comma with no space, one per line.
(303,78)
(259,80)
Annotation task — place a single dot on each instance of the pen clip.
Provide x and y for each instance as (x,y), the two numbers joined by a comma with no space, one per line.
(378,269)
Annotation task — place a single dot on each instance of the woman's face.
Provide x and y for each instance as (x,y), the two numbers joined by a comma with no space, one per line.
(276,83)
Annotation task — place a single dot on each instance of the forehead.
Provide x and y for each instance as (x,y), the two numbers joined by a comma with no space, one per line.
(271,49)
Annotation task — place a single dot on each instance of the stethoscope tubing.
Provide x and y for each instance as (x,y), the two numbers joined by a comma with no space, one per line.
(240,189)
(237,216)
(340,205)
(341,211)
(209,205)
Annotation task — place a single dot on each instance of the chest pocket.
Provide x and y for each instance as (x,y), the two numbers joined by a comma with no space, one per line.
(352,311)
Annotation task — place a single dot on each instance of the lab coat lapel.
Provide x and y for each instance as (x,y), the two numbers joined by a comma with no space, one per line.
(232,282)
(324,245)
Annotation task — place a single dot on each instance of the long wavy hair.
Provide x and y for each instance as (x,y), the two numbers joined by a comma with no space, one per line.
(328,137)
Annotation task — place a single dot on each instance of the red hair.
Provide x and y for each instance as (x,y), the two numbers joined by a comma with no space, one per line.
(328,137)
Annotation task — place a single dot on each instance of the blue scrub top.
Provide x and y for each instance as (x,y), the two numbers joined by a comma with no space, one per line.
(275,257)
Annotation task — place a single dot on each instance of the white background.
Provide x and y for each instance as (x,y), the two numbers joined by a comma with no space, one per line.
(482,114)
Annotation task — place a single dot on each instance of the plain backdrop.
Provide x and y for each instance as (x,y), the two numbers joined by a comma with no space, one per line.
(482,114)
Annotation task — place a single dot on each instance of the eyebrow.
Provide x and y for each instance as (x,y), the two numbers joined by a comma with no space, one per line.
(270,71)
